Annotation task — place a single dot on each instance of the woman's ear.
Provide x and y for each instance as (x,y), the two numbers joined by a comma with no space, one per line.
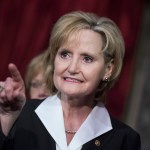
(108,70)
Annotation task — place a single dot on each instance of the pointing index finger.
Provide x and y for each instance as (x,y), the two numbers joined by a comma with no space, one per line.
(14,72)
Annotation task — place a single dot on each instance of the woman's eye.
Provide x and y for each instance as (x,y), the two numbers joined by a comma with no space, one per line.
(64,54)
(88,59)
(35,84)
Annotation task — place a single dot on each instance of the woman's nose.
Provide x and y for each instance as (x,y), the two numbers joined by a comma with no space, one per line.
(74,66)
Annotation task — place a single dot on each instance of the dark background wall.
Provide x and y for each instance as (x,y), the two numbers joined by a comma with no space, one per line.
(137,112)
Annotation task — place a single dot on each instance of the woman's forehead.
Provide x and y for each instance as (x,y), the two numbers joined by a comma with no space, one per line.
(83,37)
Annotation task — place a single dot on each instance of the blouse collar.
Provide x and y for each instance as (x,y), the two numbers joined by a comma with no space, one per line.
(50,113)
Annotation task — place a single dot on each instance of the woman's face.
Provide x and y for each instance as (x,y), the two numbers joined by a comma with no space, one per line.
(38,88)
(79,65)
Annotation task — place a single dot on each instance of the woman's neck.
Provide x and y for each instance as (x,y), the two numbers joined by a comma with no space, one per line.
(75,112)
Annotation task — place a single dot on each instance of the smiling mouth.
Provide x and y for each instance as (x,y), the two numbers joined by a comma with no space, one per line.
(72,80)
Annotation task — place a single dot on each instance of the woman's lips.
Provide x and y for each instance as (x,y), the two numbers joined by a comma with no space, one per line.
(74,80)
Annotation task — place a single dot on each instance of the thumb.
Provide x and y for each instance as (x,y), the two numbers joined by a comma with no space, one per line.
(19,96)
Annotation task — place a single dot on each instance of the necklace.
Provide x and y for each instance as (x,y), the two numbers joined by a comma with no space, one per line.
(70,131)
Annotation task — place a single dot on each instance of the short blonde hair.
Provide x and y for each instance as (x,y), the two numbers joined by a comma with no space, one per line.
(35,66)
(113,44)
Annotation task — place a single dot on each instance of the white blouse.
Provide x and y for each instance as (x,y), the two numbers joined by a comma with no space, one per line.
(51,114)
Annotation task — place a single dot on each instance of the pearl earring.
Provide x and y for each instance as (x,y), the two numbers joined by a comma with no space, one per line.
(106,79)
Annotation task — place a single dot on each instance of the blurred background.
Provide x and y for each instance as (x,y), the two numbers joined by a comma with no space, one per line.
(25,27)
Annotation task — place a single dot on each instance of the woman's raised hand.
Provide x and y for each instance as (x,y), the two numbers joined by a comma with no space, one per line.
(12,91)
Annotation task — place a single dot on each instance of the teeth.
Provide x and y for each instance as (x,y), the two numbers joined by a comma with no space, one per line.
(72,80)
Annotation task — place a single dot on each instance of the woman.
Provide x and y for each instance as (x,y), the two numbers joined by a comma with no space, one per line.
(34,78)
(83,61)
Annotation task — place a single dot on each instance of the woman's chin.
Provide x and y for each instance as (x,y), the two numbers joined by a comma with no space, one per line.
(72,93)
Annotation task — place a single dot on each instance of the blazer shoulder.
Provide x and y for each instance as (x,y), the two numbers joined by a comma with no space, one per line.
(124,128)
(31,105)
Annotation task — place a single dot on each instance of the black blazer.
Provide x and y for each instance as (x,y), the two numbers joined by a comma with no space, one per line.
(28,133)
